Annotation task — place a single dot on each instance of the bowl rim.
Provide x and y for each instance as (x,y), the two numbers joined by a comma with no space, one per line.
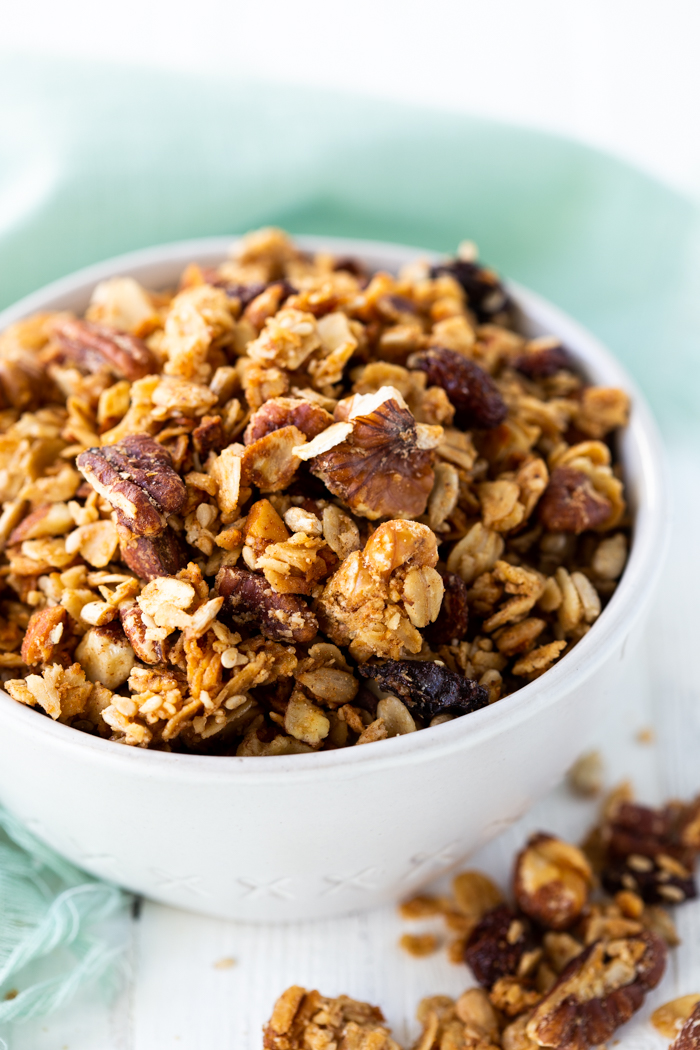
(641,571)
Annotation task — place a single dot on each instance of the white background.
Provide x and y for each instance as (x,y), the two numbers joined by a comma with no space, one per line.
(623,75)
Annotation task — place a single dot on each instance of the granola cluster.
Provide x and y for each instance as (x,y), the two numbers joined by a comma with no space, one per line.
(586,935)
(292,505)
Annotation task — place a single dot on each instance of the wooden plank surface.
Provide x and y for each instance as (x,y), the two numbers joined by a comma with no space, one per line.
(176,998)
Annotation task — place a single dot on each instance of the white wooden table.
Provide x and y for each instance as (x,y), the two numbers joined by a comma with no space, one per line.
(175,997)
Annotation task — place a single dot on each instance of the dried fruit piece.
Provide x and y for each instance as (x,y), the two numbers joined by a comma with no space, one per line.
(570,503)
(453,618)
(137,477)
(249,599)
(96,347)
(46,633)
(497,945)
(551,881)
(382,462)
(542,363)
(280,412)
(472,391)
(427,688)
(486,296)
(597,992)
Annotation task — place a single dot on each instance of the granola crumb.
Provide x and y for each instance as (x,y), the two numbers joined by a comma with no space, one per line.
(419,944)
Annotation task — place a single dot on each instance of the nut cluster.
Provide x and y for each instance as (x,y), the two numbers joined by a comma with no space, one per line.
(236,513)
(564,966)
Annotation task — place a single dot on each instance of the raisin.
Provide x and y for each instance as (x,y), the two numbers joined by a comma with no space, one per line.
(453,618)
(496,945)
(486,296)
(427,688)
(543,363)
(471,390)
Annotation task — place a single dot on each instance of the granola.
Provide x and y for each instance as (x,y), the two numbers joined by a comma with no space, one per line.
(565,965)
(235,511)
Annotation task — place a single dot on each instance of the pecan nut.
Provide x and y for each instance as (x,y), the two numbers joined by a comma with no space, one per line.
(96,347)
(551,881)
(149,650)
(137,477)
(597,992)
(472,391)
(209,436)
(280,412)
(381,461)
(249,599)
(45,635)
(428,688)
(152,556)
(571,504)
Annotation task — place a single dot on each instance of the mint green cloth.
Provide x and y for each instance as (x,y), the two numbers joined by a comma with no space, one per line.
(96,160)
(52,911)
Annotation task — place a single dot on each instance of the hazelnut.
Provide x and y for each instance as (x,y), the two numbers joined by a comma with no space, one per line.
(551,881)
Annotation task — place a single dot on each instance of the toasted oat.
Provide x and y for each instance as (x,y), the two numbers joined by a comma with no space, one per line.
(287,444)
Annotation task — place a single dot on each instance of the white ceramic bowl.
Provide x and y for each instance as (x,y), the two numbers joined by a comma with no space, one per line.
(305,836)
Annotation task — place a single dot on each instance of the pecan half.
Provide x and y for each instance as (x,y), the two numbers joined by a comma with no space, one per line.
(209,436)
(45,635)
(657,880)
(453,618)
(280,412)
(137,477)
(496,945)
(151,556)
(381,464)
(551,881)
(249,599)
(597,992)
(486,296)
(427,688)
(472,391)
(571,504)
(95,347)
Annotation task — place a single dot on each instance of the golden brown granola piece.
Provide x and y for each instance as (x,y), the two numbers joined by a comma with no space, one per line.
(671,1018)
(470,1023)
(378,597)
(62,692)
(302,1019)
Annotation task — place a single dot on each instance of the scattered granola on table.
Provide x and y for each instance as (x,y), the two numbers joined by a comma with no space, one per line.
(293,506)
(566,963)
